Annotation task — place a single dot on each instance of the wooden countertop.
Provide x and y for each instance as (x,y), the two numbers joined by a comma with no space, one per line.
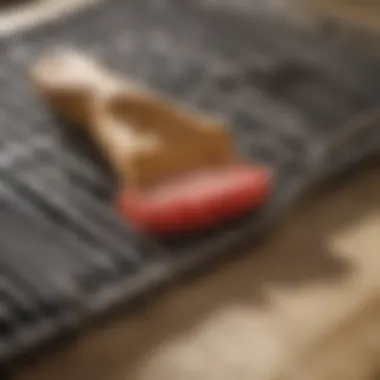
(362,13)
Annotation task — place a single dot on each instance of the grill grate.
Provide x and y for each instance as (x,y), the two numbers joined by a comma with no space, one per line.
(290,99)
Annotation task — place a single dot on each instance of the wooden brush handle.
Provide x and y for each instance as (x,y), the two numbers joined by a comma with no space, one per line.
(145,137)
(76,84)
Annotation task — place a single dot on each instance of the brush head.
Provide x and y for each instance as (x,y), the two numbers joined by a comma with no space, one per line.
(198,200)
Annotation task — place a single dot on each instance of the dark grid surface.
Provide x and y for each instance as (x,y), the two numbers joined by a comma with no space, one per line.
(302,105)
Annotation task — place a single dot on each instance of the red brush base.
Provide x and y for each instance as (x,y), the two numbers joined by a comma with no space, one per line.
(198,200)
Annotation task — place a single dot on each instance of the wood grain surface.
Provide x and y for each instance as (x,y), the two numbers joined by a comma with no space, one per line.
(364,13)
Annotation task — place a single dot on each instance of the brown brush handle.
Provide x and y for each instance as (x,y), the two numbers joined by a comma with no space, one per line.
(145,137)
(79,89)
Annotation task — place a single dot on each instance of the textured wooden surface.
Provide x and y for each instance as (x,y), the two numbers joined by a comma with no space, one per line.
(364,13)
(304,305)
